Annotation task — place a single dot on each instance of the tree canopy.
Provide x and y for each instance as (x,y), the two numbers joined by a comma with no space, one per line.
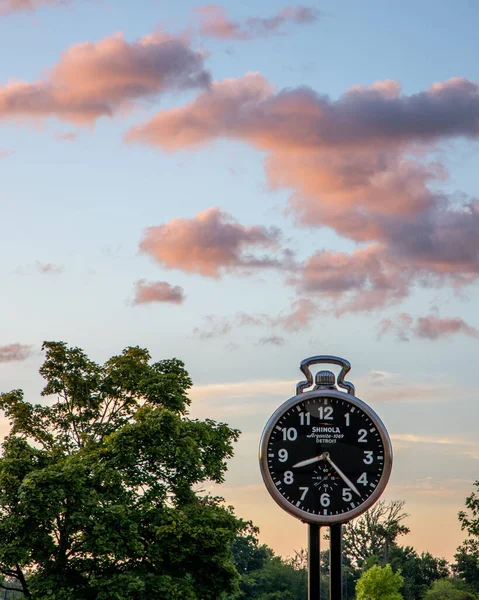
(374,533)
(99,484)
(467,555)
(379,583)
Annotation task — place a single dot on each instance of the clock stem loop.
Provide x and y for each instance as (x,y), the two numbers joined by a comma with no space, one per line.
(327,359)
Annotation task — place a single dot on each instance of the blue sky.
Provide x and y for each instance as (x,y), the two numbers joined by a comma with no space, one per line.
(83,206)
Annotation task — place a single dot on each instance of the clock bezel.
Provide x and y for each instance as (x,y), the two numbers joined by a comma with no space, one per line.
(294,510)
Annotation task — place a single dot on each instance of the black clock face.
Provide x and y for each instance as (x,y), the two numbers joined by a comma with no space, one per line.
(326,456)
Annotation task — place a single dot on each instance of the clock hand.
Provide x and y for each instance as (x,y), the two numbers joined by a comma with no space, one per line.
(308,461)
(346,480)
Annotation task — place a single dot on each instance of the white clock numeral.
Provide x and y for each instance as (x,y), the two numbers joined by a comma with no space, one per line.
(288,477)
(289,434)
(325,412)
(305,490)
(363,434)
(347,496)
(305,418)
(325,500)
(347,417)
(283,455)
(369,457)
(363,479)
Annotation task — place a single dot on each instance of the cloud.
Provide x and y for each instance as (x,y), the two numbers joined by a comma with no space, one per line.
(273,340)
(48,268)
(458,446)
(241,397)
(213,22)
(210,244)
(14,352)
(360,281)
(157,291)
(433,327)
(214,327)
(11,6)
(92,80)
(66,137)
(302,313)
(360,165)
(430,327)
(299,317)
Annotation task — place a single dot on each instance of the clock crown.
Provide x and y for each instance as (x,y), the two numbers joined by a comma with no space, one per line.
(324,379)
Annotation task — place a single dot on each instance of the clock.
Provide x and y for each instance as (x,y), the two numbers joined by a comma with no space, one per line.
(325,455)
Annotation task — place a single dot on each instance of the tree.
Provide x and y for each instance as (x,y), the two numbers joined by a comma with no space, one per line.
(97,486)
(418,571)
(467,563)
(446,589)
(248,554)
(379,583)
(277,579)
(467,555)
(374,533)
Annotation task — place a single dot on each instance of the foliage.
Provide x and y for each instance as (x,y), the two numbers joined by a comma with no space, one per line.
(276,580)
(374,533)
(379,583)
(447,589)
(97,486)
(418,571)
(248,554)
(467,563)
(467,556)
(350,576)
(265,576)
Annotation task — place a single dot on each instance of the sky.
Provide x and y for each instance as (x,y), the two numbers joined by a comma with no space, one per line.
(244,185)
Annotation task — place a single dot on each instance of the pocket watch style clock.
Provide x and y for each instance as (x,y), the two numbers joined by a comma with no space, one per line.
(325,455)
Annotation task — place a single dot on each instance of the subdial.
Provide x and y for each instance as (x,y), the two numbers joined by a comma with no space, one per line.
(324,478)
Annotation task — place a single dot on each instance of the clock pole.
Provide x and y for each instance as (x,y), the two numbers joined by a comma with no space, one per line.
(314,564)
(335,562)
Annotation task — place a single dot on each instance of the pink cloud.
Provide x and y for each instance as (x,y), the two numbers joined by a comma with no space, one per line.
(300,316)
(430,327)
(210,244)
(92,80)
(360,281)
(157,291)
(66,137)
(302,313)
(433,327)
(48,268)
(11,6)
(14,352)
(359,165)
(214,22)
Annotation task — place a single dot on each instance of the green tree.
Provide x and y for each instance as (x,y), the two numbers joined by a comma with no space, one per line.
(418,570)
(379,583)
(278,579)
(371,536)
(447,589)
(248,554)
(97,484)
(467,563)
(467,555)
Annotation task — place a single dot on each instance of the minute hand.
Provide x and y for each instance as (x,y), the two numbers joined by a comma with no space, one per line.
(346,480)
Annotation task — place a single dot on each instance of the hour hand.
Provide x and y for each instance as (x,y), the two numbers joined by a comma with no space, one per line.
(308,461)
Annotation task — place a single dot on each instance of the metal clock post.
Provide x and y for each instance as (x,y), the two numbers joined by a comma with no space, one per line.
(325,457)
